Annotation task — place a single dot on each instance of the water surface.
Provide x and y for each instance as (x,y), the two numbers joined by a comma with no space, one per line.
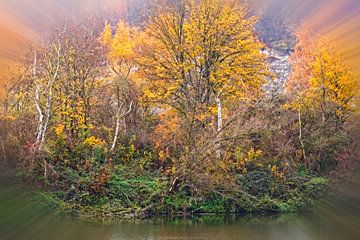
(337,219)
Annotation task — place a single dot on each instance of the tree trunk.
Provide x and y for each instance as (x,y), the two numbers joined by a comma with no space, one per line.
(41,115)
(219,128)
(44,118)
(3,149)
(117,127)
(300,135)
(116,134)
(38,104)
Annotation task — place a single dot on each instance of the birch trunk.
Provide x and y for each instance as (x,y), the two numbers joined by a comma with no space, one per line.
(41,115)
(219,128)
(45,114)
(116,134)
(37,103)
(118,120)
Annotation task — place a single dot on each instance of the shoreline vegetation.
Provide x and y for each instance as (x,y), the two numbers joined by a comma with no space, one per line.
(171,116)
(112,210)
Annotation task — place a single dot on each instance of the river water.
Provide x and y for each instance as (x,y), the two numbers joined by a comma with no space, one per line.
(337,219)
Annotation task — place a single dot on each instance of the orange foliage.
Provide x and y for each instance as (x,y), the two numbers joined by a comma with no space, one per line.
(320,77)
(301,58)
(9,75)
(167,131)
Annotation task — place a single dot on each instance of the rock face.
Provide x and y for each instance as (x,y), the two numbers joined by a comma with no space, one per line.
(272,29)
(279,40)
(280,66)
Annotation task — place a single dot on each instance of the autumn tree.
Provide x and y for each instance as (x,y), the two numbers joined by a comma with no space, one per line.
(121,59)
(80,80)
(172,115)
(45,72)
(58,89)
(321,90)
(12,72)
(199,57)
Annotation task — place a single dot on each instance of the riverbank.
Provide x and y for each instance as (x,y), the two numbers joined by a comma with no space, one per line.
(337,219)
(141,197)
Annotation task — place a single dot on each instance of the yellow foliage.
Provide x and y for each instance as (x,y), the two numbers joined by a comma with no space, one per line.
(276,171)
(167,131)
(209,48)
(59,129)
(121,46)
(10,74)
(93,141)
(106,35)
(243,157)
(252,154)
(320,78)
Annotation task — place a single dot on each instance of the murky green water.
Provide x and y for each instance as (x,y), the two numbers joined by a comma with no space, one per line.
(338,220)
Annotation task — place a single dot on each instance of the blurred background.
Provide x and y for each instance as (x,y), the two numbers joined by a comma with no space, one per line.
(22,21)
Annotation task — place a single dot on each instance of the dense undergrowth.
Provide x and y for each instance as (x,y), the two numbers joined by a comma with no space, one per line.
(129,194)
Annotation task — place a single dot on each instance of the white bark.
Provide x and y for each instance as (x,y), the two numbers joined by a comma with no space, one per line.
(219,114)
(119,116)
(49,89)
(219,127)
(37,102)
(41,115)
(44,113)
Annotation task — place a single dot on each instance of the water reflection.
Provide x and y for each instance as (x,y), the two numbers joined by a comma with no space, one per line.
(337,220)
